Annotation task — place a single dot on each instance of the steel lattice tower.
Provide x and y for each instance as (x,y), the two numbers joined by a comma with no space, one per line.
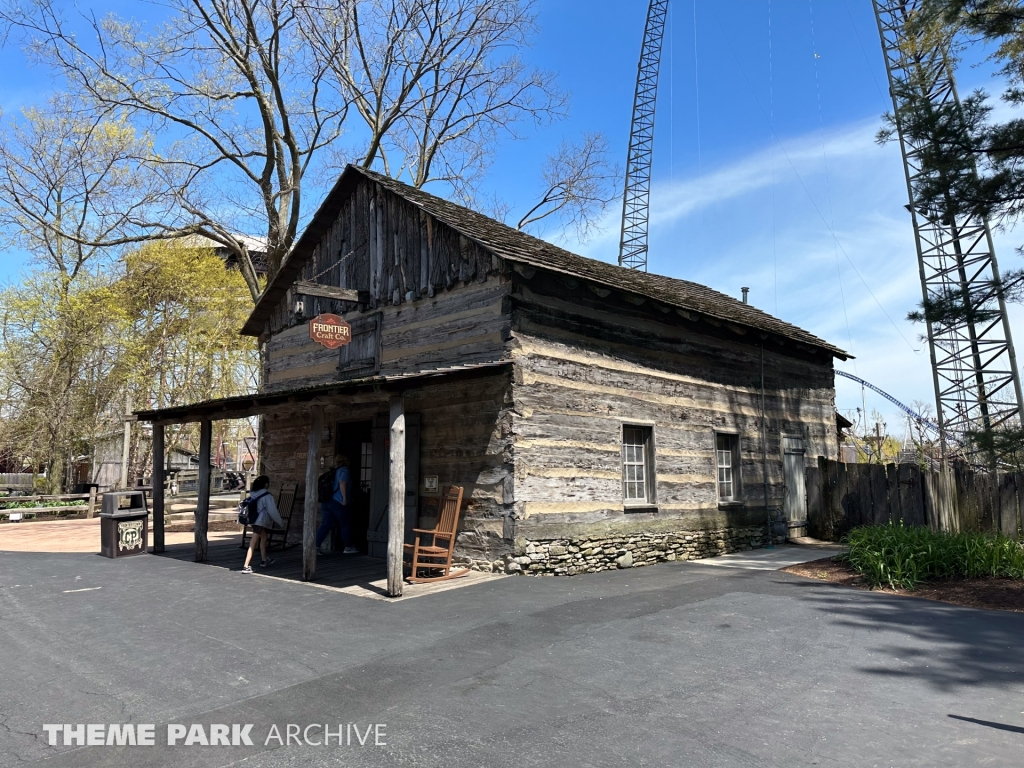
(635,200)
(977,386)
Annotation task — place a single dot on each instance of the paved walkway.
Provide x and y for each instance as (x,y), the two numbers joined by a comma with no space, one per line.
(678,664)
(76,536)
(782,556)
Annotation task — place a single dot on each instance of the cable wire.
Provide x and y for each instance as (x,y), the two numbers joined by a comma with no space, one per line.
(696,86)
(810,197)
(771,112)
(828,182)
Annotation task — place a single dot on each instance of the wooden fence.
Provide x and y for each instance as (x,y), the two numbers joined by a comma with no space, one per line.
(16,481)
(844,496)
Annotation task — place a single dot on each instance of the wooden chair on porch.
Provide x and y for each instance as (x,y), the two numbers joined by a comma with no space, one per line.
(285,500)
(286,507)
(436,556)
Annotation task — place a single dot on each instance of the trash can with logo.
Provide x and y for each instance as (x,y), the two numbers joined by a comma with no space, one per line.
(124,524)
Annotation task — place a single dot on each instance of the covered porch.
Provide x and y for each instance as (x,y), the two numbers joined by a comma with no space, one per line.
(308,413)
(357,575)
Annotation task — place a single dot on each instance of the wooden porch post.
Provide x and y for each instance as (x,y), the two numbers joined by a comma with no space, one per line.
(158,488)
(316,429)
(396,499)
(203,502)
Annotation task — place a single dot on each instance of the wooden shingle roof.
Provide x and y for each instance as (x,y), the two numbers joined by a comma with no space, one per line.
(515,246)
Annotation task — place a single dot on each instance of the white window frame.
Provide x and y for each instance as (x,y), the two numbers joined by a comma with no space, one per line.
(646,466)
(735,480)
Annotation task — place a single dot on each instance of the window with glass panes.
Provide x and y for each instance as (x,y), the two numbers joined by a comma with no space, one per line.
(365,467)
(727,450)
(636,461)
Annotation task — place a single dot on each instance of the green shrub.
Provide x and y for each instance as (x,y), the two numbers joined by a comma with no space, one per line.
(4,504)
(902,557)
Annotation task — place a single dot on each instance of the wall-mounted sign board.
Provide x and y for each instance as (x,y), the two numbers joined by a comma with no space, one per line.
(330,330)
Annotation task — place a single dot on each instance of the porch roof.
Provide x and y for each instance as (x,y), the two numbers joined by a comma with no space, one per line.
(241,406)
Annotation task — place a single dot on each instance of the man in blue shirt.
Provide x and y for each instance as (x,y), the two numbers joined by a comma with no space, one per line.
(337,509)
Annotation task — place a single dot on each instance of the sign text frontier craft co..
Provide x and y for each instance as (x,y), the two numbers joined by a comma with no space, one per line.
(330,330)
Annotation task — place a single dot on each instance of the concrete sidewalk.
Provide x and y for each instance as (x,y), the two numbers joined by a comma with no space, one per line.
(782,556)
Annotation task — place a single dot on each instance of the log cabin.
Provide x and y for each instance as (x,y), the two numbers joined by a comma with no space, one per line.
(597,417)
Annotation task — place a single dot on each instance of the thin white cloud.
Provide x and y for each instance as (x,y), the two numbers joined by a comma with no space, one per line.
(734,226)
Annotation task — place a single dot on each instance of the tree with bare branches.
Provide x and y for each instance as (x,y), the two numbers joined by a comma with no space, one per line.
(229,86)
(70,183)
(579,182)
(236,104)
(436,82)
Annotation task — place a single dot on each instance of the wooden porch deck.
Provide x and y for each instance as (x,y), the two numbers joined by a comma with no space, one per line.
(357,575)
(335,570)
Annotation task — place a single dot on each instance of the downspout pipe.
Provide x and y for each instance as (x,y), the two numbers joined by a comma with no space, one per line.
(764,458)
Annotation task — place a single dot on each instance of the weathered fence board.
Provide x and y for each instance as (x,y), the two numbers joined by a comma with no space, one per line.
(988,503)
(911,498)
(1008,513)
(881,511)
(893,486)
(844,496)
(813,486)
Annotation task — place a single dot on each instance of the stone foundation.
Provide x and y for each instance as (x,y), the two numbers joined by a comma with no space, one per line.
(590,554)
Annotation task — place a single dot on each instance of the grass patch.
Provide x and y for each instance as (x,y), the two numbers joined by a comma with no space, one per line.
(902,558)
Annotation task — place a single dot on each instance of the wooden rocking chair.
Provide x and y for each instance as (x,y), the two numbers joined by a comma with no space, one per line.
(437,555)
(287,511)
(285,501)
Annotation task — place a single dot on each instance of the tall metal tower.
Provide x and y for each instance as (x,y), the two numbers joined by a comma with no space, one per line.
(977,386)
(635,200)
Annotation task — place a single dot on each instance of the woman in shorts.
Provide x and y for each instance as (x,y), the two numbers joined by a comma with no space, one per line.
(267,517)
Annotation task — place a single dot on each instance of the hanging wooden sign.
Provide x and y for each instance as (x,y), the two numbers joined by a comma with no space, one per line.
(330,330)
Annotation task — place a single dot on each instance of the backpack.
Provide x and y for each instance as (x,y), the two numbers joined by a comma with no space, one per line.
(325,486)
(247,511)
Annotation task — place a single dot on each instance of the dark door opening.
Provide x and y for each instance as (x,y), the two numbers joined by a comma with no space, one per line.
(354,440)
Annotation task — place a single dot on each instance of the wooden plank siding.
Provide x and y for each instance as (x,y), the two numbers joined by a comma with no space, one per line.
(465,325)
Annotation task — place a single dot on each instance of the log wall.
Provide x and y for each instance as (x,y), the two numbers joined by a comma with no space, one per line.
(582,372)
(465,439)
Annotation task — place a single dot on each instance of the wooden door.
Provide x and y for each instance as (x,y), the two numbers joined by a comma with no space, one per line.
(377,532)
(795,501)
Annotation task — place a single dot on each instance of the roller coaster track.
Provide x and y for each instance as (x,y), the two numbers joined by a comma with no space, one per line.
(905,408)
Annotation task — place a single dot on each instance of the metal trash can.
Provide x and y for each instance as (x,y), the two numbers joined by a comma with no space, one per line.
(124,530)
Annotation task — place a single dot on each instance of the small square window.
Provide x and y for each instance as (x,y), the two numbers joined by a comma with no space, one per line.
(365,467)
(637,466)
(727,452)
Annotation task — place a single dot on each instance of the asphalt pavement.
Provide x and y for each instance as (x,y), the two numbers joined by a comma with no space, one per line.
(679,664)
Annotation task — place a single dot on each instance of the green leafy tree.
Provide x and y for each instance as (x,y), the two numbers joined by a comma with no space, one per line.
(157,329)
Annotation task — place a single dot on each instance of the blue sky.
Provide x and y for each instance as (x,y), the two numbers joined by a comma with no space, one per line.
(762,151)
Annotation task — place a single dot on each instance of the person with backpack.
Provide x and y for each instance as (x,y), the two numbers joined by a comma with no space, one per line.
(261,513)
(333,492)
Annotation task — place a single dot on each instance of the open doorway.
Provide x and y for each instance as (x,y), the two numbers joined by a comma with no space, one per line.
(354,439)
